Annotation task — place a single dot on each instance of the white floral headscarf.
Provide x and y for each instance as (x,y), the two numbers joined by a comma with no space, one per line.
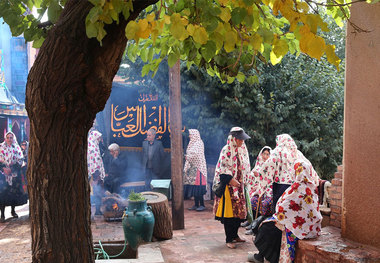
(195,153)
(227,163)
(298,207)
(279,168)
(253,177)
(94,158)
(10,155)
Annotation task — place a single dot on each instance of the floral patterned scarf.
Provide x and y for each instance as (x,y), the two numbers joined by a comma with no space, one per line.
(227,163)
(195,153)
(94,158)
(253,178)
(10,155)
(298,207)
(279,168)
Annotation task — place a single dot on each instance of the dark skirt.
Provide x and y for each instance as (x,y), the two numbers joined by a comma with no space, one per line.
(193,190)
(268,241)
(12,195)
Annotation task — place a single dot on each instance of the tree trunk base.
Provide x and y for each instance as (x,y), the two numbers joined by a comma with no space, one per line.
(163,226)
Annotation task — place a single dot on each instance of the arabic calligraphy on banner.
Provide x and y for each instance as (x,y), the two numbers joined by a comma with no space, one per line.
(129,121)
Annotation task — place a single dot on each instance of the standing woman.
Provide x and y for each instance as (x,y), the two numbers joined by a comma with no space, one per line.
(230,173)
(95,168)
(11,159)
(195,170)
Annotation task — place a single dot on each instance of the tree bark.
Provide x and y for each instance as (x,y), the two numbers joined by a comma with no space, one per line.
(176,146)
(163,227)
(69,83)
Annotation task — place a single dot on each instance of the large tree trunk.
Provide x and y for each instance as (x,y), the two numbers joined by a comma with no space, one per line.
(69,83)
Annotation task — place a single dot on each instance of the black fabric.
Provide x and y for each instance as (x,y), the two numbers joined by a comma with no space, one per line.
(231,227)
(199,200)
(268,242)
(278,190)
(220,188)
(116,169)
(12,195)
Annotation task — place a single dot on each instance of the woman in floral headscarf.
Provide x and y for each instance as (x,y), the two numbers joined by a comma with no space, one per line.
(95,168)
(11,192)
(264,204)
(195,170)
(231,171)
(278,170)
(297,217)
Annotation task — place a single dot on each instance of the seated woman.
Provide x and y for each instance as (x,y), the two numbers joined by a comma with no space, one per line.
(297,217)
(260,206)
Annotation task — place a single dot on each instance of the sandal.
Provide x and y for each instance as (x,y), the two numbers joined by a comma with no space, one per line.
(231,245)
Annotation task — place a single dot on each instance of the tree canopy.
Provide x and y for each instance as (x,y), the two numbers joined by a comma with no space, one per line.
(226,37)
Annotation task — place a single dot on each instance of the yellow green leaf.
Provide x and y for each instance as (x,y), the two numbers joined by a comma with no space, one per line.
(230,41)
(200,35)
(223,2)
(131,29)
(190,29)
(178,31)
(225,14)
(317,47)
(331,56)
(150,17)
(256,40)
(280,47)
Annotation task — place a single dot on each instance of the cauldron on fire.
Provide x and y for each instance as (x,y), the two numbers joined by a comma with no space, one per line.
(138,222)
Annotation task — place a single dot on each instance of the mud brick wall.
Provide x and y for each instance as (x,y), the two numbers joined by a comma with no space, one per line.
(336,198)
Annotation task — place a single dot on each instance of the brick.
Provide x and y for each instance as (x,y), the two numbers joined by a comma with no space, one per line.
(335,202)
(336,209)
(338,175)
(340,168)
(337,182)
(337,196)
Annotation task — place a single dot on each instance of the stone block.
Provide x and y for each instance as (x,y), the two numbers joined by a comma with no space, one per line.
(336,195)
(336,209)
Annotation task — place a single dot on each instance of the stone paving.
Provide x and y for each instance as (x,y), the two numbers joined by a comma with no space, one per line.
(202,240)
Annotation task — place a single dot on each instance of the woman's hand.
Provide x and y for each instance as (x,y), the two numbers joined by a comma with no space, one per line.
(7,170)
(234,182)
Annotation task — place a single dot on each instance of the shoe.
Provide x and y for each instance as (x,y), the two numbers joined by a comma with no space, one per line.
(249,232)
(249,226)
(193,207)
(14,214)
(201,208)
(245,224)
(239,240)
(256,223)
(231,245)
(98,213)
(255,258)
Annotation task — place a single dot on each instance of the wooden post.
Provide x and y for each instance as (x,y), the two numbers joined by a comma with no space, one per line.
(176,146)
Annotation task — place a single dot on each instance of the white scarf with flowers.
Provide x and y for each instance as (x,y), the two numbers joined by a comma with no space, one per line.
(195,153)
(298,207)
(10,155)
(227,164)
(94,158)
(254,178)
(279,168)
